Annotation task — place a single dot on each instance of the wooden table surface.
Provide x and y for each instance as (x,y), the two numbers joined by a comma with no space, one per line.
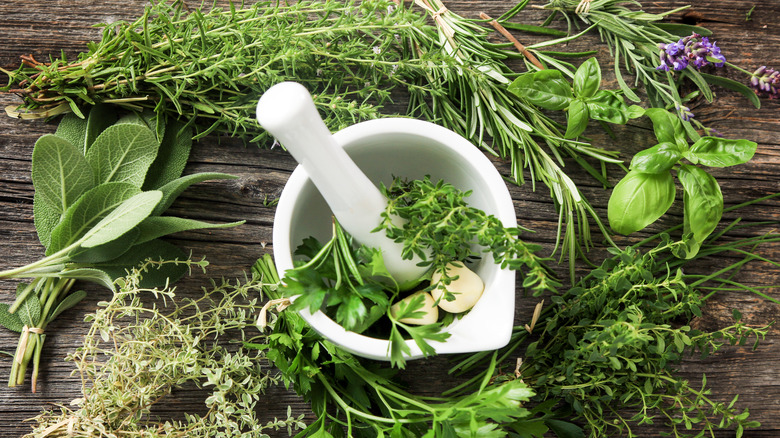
(44,28)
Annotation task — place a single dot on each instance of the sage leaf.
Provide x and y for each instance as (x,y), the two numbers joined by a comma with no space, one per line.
(68,302)
(657,159)
(106,251)
(587,78)
(92,275)
(152,250)
(60,173)
(546,89)
(30,311)
(703,205)
(100,117)
(578,119)
(173,189)
(666,126)
(87,211)
(639,199)
(149,119)
(122,219)
(45,219)
(171,157)
(158,226)
(73,129)
(721,152)
(608,106)
(123,153)
(9,320)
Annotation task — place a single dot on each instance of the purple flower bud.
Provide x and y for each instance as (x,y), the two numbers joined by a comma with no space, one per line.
(684,112)
(766,80)
(693,49)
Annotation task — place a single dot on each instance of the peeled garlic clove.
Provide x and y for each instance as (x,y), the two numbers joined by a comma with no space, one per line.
(429,307)
(467,289)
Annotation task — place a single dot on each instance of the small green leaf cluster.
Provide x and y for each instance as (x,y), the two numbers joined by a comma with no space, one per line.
(439,227)
(138,351)
(357,398)
(583,100)
(351,284)
(648,190)
(101,186)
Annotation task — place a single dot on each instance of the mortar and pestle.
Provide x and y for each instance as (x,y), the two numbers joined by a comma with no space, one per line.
(338,176)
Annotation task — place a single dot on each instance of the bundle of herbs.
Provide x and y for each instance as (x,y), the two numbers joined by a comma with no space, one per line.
(101,185)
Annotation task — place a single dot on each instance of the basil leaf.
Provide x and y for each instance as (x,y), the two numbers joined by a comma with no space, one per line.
(9,320)
(635,111)
(73,129)
(60,173)
(171,157)
(703,205)
(156,275)
(68,302)
(721,152)
(667,127)
(608,106)
(587,78)
(100,117)
(546,89)
(657,159)
(578,119)
(158,226)
(123,153)
(173,189)
(87,211)
(122,219)
(638,200)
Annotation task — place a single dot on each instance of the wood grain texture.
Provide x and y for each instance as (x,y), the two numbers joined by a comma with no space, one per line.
(66,25)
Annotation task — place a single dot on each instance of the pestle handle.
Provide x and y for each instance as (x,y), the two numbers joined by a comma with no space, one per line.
(287,111)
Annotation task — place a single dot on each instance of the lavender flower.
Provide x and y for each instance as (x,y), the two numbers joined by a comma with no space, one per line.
(685,113)
(766,80)
(693,49)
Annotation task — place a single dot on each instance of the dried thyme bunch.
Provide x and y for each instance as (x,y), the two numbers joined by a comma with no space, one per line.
(136,353)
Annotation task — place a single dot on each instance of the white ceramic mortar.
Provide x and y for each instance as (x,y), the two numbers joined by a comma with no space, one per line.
(407,148)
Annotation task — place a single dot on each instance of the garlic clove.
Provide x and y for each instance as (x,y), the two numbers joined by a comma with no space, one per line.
(467,289)
(429,307)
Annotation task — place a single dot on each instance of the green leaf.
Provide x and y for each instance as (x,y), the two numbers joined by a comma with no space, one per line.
(733,85)
(657,159)
(30,311)
(45,218)
(106,251)
(92,275)
(172,156)
(100,117)
(155,250)
(587,78)
(122,219)
(638,200)
(123,153)
(173,189)
(721,152)
(68,302)
(149,119)
(158,226)
(9,320)
(667,126)
(608,106)
(546,89)
(703,206)
(577,119)
(683,30)
(564,429)
(60,174)
(73,129)
(87,211)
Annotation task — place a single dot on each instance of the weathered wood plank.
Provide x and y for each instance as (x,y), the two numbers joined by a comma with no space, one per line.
(65,25)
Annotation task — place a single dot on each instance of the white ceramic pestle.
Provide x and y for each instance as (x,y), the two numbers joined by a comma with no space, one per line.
(287,111)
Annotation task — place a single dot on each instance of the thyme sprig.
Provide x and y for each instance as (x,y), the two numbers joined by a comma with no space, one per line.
(138,351)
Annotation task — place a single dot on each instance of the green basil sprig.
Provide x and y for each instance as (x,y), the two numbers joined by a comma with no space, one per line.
(582,100)
(101,184)
(648,190)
